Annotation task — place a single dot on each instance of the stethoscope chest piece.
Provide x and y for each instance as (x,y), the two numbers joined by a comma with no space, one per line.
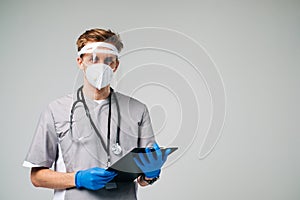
(116,149)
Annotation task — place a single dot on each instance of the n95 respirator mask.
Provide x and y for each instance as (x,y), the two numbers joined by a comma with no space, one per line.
(99,75)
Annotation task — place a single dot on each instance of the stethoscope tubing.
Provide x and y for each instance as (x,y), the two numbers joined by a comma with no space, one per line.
(81,99)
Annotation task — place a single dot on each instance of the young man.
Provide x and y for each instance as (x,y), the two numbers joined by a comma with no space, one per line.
(79,135)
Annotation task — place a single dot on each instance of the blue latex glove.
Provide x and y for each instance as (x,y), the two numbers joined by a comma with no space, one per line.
(93,178)
(150,164)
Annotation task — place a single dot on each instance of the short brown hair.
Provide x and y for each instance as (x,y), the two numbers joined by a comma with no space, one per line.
(99,35)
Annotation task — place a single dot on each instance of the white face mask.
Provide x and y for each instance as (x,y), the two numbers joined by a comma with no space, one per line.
(99,75)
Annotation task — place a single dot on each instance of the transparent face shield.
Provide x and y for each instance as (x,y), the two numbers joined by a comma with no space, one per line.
(99,52)
(100,59)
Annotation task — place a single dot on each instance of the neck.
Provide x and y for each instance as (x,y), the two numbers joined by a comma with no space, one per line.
(93,93)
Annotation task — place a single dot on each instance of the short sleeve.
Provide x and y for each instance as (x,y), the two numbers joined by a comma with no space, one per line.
(44,145)
(146,134)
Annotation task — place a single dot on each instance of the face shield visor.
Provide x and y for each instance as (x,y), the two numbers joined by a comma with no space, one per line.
(97,50)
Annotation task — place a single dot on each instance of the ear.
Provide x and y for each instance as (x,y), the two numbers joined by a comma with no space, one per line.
(79,63)
(117,65)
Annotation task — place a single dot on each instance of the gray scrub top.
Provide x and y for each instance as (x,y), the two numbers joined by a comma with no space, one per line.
(54,146)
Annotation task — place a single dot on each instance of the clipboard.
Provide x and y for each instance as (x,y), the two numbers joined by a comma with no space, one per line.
(126,168)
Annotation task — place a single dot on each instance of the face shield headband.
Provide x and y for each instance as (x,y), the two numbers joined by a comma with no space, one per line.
(94,48)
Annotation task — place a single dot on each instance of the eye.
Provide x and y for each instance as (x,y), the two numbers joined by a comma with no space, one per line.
(89,58)
(108,60)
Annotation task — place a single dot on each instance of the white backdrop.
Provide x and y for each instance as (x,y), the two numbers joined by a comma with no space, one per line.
(200,61)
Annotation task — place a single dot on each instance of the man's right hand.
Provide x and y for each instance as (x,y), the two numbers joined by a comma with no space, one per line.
(93,178)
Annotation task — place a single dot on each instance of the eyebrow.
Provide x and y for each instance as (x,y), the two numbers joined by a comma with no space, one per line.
(109,56)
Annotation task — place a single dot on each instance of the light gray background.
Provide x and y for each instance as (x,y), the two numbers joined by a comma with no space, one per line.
(255,45)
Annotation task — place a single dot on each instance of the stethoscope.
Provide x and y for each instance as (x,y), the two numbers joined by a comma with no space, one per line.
(115,148)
